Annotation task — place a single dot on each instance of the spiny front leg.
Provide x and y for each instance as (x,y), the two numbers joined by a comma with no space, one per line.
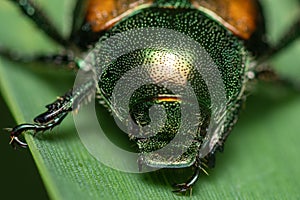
(55,114)
(18,130)
(182,188)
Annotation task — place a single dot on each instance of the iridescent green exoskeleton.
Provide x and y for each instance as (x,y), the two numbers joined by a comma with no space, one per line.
(167,46)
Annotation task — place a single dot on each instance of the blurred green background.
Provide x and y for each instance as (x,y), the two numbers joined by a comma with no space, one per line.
(266,136)
(19,175)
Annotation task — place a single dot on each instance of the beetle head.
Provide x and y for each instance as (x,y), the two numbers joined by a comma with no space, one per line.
(162,102)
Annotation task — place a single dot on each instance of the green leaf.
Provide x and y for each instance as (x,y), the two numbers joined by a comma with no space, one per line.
(260,160)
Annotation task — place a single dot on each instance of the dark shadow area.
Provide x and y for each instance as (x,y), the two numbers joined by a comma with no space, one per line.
(19,176)
(112,131)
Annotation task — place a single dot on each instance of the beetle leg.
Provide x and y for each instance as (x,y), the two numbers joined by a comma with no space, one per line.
(264,72)
(268,74)
(288,38)
(18,130)
(36,15)
(187,186)
(78,16)
(56,112)
(64,58)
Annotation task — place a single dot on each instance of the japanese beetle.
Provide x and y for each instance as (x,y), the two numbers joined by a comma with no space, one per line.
(223,34)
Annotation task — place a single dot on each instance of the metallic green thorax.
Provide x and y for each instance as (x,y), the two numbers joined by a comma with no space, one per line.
(224,48)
